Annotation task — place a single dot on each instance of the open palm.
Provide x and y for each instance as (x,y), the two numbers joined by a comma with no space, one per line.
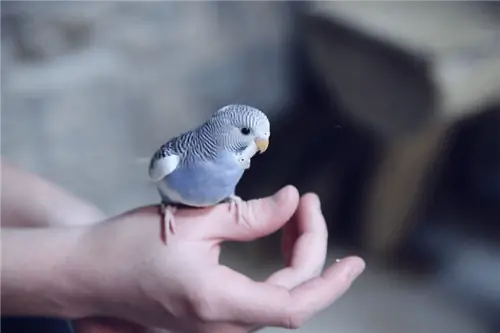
(194,293)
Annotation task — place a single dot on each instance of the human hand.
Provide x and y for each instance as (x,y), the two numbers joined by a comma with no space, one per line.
(131,275)
(29,200)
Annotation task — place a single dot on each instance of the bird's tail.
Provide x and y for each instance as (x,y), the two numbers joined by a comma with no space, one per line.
(142,160)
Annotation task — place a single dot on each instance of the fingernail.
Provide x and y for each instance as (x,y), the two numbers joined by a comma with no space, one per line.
(355,271)
(337,260)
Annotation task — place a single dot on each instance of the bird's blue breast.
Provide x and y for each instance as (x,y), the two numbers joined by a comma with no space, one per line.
(202,183)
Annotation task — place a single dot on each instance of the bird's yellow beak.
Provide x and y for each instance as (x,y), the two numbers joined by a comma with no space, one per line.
(262,144)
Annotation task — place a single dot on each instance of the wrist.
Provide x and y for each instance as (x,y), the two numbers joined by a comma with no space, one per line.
(34,266)
(31,201)
(103,272)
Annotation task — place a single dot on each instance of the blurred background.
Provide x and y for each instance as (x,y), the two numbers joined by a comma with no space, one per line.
(389,110)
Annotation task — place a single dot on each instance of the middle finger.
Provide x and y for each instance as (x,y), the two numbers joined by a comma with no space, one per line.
(308,253)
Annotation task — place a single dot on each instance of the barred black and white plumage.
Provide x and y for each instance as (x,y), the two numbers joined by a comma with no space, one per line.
(202,167)
(206,141)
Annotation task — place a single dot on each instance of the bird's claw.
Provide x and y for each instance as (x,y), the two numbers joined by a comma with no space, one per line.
(235,202)
(168,222)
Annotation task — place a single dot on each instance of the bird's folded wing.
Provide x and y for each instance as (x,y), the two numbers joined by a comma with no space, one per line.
(163,163)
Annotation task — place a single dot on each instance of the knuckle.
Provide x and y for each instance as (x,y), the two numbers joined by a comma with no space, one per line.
(256,212)
(294,321)
(294,317)
(249,214)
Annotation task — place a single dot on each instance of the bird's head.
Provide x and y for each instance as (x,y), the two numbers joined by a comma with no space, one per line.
(240,126)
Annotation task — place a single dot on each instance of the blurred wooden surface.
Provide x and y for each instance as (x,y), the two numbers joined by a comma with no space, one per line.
(399,187)
(455,46)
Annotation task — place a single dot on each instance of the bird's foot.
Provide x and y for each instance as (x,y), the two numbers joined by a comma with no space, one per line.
(235,202)
(167,222)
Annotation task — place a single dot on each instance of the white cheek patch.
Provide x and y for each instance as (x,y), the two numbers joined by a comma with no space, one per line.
(245,156)
(250,151)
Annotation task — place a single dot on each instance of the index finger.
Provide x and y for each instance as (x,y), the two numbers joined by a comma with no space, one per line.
(259,217)
(264,304)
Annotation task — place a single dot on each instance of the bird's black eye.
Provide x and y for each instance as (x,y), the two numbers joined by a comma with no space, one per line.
(245,131)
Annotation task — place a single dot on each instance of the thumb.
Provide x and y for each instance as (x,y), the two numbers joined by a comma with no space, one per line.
(259,217)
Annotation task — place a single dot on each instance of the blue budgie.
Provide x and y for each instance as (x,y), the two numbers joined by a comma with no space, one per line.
(202,167)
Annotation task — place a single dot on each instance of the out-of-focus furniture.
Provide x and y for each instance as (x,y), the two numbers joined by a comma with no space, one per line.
(423,80)
(406,72)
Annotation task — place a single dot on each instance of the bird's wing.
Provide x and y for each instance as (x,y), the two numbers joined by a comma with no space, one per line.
(164,161)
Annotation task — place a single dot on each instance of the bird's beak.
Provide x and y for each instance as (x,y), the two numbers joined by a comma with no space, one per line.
(262,144)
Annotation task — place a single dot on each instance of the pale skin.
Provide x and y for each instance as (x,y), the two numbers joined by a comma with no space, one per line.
(115,275)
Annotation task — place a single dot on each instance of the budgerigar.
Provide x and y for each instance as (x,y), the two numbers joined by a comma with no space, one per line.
(202,167)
